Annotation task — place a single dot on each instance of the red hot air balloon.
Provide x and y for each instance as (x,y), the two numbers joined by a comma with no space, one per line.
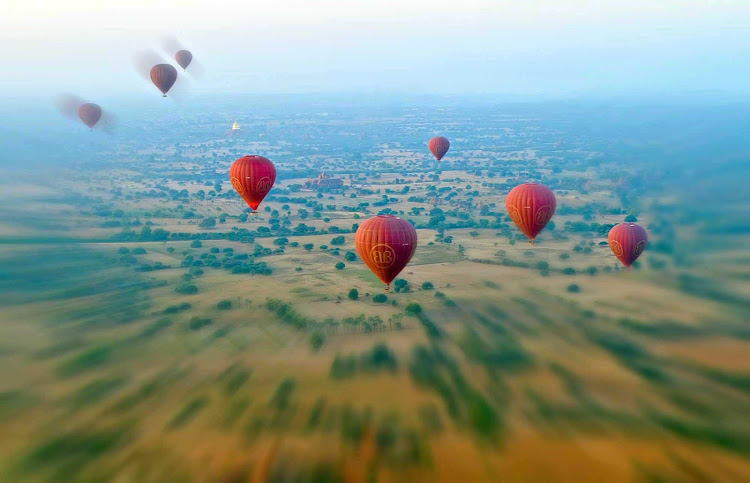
(252,177)
(386,244)
(531,206)
(183,57)
(90,114)
(163,76)
(627,241)
(439,146)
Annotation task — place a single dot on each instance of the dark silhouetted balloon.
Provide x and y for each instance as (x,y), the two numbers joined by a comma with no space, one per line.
(163,76)
(439,146)
(531,206)
(183,57)
(627,241)
(252,177)
(386,244)
(90,114)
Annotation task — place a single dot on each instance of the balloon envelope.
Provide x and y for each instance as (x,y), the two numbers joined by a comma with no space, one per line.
(252,177)
(531,206)
(627,241)
(163,76)
(183,57)
(439,146)
(386,244)
(90,114)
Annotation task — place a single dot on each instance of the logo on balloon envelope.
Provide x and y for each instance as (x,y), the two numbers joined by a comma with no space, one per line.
(382,255)
(264,185)
(639,248)
(514,214)
(543,215)
(237,185)
(616,247)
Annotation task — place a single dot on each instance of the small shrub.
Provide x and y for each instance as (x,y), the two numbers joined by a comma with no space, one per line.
(186,289)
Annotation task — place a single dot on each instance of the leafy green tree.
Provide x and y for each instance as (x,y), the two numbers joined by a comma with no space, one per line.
(186,289)
(413,309)
(316,340)
(340,266)
(208,223)
(380,298)
(354,294)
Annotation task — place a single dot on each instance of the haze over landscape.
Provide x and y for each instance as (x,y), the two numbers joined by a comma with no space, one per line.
(155,328)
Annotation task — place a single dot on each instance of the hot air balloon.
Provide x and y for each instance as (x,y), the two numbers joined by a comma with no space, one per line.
(627,241)
(183,58)
(90,114)
(531,206)
(252,176)
(386,244)
(439,146)
(163,76)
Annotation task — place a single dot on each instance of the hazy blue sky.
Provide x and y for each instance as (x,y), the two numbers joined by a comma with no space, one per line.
(510,47)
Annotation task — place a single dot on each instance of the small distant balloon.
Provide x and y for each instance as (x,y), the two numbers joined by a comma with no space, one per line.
(439,146)
(90,114)
(627,241)
(163,76)
(183,58)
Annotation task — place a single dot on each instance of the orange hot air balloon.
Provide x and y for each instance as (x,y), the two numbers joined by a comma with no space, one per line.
(627,241)
(90,114)
(163,76)
(183,57)
(386,244)
(252,177)
(531,206)
(439,146)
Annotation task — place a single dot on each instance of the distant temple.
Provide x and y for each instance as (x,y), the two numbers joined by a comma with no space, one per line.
(235,126)
(324,181)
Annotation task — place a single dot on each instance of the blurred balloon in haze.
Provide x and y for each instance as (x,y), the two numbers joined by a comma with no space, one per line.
(90,114)
(74,107)
(153,68)
(439,146)
(163,76)
(183,58)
